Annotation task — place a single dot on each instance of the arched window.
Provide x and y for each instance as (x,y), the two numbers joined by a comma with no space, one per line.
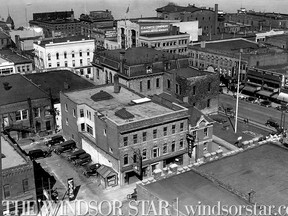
(73,54)
(49,56)
(57,55)
(65,54)
(88,52)
(80,53)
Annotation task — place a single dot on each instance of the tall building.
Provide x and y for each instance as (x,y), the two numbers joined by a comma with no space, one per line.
(120,128)
(57,24)
(139,68)
(74,53)
(207,18)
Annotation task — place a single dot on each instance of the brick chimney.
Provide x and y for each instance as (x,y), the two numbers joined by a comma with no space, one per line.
(117,86)
(216,19)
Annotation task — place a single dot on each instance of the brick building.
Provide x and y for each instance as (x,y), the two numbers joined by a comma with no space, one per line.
(74,53)
(139,68)
(57,24)
(24,108)
(193,86)
(117,125)
(17,176)
(208,18)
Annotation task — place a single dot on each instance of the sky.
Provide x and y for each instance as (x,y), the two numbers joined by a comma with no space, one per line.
(137,8)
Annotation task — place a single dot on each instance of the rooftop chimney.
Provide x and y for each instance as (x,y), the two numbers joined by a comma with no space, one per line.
(117,86)
(216,19)
(203,44)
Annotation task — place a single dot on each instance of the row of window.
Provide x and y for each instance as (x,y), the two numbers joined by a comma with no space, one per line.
(73,63)
(7,188)
(155,134)
(155,152)
(23,68)
(148,84)
(23,114)
(65,54)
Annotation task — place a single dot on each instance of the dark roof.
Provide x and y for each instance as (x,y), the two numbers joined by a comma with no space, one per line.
(189,72)
(3,35)
(61,40)
(18,89)
(14,57)
(100,96)
(172,8)
(10,20)
(56,81)
(195,115)
(124,114)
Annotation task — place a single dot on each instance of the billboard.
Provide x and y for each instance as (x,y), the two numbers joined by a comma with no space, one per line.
(110,33)
(154,29)
(71,188)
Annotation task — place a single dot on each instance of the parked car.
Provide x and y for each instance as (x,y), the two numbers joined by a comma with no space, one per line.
(38,153)
(91,170)
(82,160)
(55,140)
(65,146)
(75,155)
(266,103)
(252,99)
(272,123)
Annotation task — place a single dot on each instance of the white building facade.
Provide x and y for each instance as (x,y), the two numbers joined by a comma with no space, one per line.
(73,53)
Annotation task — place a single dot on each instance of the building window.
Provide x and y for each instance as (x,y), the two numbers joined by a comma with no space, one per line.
(88,60)
(181,126)
(208,103)
(65,55)
(148,84)
(194,90)
(168,84)
(173,129)
(19,69)
(81,62)
(80,53)
(165,131)
(66,122)
(49,65)
(144,154)
(66,108)
(66,64)
(125,141)
(194,134)
(57,55)
(74,113)
(49,56)
(81,71)
(173,146)
(141,86)
(181,143)
(28,68)
(105,132)
(177,89)
(158,83)
(58,64)
(155,152)
(154,133)
(73,54)
(81,113)
(82,126)
(88,70)
(88,52)
(47,110)
(37,112)
(205,132)
(165,148)
(125,159)
(25,185)
(6,189)
(135,138)
(144,135)
(21,115)
(97,73)
(89,129)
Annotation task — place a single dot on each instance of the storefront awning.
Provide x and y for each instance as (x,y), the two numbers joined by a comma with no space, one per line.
(264,93)
(250,89)
(283,97)
(106,171)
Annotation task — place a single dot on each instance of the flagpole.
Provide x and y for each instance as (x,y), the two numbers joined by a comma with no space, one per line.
(237,99)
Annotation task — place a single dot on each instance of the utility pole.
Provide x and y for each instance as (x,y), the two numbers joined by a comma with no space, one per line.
(237,99)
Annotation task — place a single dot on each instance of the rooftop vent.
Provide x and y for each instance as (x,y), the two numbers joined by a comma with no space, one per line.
(140,101)
(100,96)
(124,114)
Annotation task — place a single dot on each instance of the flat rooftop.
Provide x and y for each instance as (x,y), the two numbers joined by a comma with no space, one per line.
(11,157)
(43,43)
(262,169)
(119,101)
(14,57)
(191,188)
(164,34)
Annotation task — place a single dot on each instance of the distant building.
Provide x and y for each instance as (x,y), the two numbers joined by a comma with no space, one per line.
(24,108)
(13,62)
(139,68)
(207,18)
(117,125)
(18,181)
(280,41)
(10,22)
(54,82)
(57,24)
(75,53)
(262,36)
(5,40)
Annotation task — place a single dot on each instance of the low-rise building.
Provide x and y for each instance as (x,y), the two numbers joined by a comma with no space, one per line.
(123,130)
(75,53)
(18,181)
(24,108)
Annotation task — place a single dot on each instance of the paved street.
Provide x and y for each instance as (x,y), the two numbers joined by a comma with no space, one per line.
(254,112)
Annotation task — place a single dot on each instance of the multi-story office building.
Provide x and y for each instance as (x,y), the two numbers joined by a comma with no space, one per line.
(117,125)
(57,24)
(24,108)
(140,68)
(207,18)
(75,53)
(18,181)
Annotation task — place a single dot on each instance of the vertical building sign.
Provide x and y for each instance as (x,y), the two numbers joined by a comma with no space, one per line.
(137,166)
(191,141)
(71,195)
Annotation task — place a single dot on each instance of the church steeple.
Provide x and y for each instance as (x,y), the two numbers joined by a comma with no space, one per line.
(10,21)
